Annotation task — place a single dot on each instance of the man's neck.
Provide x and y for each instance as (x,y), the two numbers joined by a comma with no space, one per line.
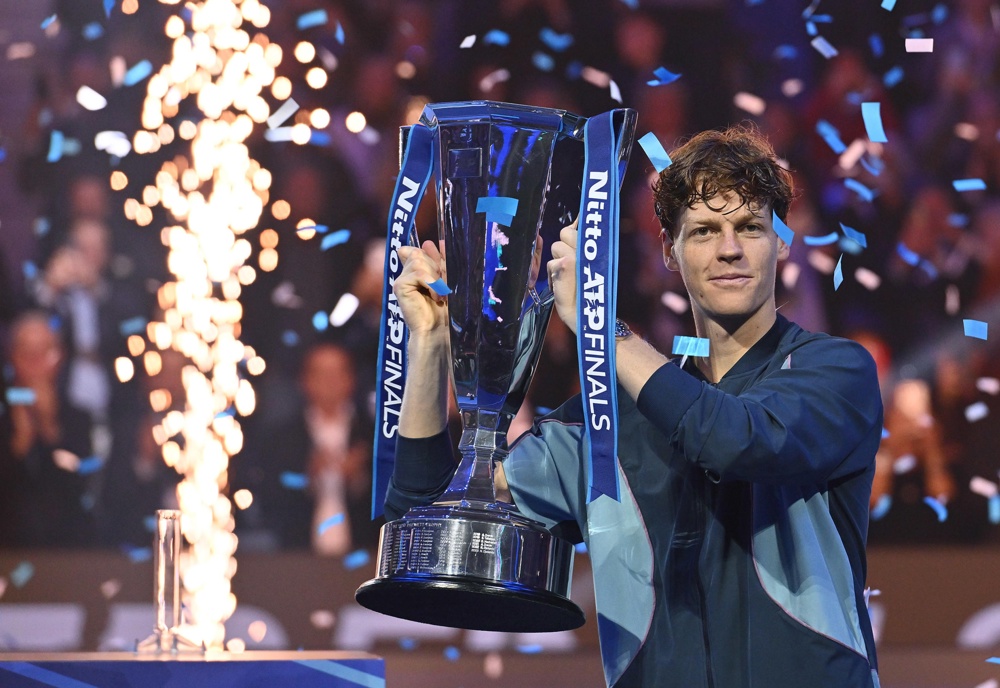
(729,341)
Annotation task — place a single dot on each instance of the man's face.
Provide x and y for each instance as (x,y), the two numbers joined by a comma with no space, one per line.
(727,259)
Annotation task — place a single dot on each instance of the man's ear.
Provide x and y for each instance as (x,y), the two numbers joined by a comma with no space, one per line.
(783,250)
(668,252)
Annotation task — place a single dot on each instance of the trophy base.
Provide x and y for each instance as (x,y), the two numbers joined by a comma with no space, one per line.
(470,604)
(485,568)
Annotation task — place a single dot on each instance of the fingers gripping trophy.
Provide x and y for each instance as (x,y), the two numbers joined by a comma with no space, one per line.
(508,178)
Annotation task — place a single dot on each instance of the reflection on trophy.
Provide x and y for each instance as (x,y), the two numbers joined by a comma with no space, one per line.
(505,175)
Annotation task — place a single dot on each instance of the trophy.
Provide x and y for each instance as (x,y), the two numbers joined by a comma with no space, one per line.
(505,175)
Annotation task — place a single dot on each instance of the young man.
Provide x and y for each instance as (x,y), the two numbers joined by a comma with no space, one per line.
(736,556)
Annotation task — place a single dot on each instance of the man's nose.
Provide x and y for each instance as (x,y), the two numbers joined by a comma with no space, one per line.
(730,247)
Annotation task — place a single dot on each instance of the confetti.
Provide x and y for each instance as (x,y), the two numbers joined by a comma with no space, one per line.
(29,270)
(92,31)
(881,508)
(346,306)
(529,648)
(785,52)
(287,109)
(860,189)
(904,464)
(831,136)
(748,102)
(294,481)
(876,45)
(854,235)
(114,143)
(20,396)
(989,385)
(871,113)
(825,240)
(615,92)
(440,287)
(975,328)
(308,231)
(21,574)
(110,588)
(451,653)
(311,19)
(543,62)
(892,77)
(499,209)
(137,72)
(338,34)
(47,22)
(982,486)
(487,83)
(320,321)
(663,77)
(137,555)
(675,302)
(994,660)
(108,6)
(919,45)
(408,644)
(356,559)
(554,40)
(290,338)
(908,256)
(969,185)
(888,4)
(55,146)
(335,239)
(468,41)
(655,152)
(823,47)
(90,465)
(940,509)
(496,37)
(838,273)
(690,346)
(867,279)
(135,325)
(91,100)
(994,509)
(334,520)
(976,411)
(783,231)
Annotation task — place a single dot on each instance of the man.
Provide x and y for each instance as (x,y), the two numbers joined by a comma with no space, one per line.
(736,554)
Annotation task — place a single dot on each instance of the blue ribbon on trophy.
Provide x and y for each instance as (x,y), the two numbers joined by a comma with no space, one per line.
(414,175)
(597,280)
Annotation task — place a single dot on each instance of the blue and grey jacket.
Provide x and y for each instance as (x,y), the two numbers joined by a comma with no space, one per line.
(736,555)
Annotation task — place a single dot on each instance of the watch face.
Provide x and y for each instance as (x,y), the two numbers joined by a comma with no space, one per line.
(621,330)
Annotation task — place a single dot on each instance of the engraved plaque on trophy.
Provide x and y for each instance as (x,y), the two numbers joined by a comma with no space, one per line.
(505,175)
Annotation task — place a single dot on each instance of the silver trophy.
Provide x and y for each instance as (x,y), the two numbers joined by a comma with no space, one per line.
(472,560)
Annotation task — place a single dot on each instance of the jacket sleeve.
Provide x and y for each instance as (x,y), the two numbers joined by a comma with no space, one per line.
(816,420)
(421,473)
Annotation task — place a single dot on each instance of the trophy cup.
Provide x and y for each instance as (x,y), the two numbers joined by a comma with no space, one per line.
(506,174)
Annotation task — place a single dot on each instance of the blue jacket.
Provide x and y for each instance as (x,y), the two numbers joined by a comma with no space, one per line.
(736,554)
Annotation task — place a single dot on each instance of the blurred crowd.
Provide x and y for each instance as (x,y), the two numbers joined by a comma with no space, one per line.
(81,465)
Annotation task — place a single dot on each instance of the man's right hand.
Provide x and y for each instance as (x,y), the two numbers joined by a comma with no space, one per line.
(424,310)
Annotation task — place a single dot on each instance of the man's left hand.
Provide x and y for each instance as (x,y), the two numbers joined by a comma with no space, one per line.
(562,275)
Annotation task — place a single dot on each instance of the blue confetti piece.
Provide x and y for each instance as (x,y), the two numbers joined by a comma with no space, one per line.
(690,346)
(335,239)
(21,396)
(530,648)
(655,152)
(90,465)
(908,256)
(137,555)
(854,235)
(407,644)
(631,4)
(838,273)
(294,481)
(994,509)
(134,325)
(876,45)
(872,115)
(29,270)
(55,146)
(137,72)
(338,34)
(543,62)
(940,509)
(290,338)
(663,77)
(958,219)
(149,523)
(888,4)
(939,13)
(48,21)
(22,573)
(969,185)
(311,19)
(554,40)
(356,559)
(860,189)
(319,138)
(785,52)
(226,413)
(108,6)
(872,164)
(580,547)
(496,37)
(320,229)
(3,153)
(893,76)
(975,328)
(440,287)
(499,209)
(881,508)
(573,70)
(451,653)
(885,433)
(830,134)
(823,47)
(825,240)
(811,29)
(93,31)
(929,268)
(783,231)
(321,321)
(334,520)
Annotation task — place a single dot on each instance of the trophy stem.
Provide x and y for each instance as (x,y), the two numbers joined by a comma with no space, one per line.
(484,441)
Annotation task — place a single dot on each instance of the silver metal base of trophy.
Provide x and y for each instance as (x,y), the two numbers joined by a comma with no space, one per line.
(479,569)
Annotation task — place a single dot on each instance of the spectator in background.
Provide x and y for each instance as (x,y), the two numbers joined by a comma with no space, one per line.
(49,441)
(328,441)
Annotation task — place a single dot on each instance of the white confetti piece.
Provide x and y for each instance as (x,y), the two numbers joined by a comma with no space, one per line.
(976,411)
(823,47)
(287,109)
(822,262)
(468,41)
(89,99)
(919,45)
(868,279)
(904,464)
(110,588)
(675,302)
(989,385)
(748,102)
(790,275)
(984,487)
(322,619)
(616,93)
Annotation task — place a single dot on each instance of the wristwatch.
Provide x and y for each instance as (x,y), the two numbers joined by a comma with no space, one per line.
(621,330)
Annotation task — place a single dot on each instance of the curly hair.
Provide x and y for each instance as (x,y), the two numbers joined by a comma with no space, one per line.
(738,159)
